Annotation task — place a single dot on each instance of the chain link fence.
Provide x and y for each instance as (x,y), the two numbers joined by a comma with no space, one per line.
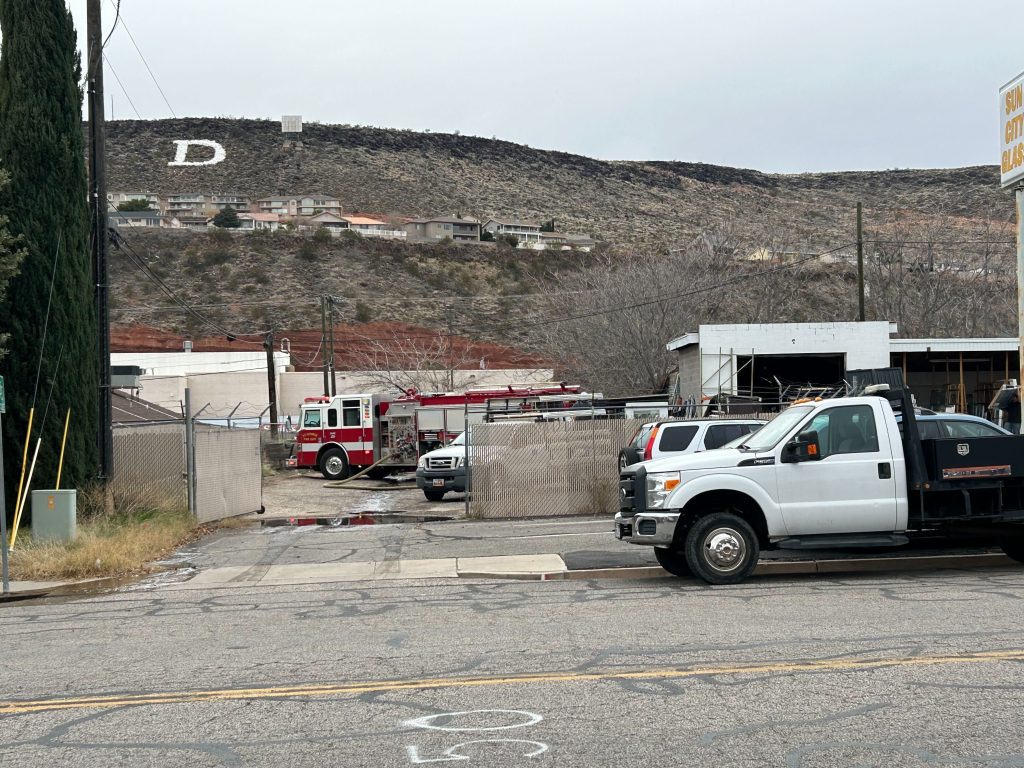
(539,469)
(228,472)
(149,466)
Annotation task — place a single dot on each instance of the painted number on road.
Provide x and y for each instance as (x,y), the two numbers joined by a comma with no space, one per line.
(461,722)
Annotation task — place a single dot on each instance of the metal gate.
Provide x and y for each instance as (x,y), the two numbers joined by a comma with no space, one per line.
(227,474)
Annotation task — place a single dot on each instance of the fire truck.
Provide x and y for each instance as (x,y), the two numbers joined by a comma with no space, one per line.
(347,433)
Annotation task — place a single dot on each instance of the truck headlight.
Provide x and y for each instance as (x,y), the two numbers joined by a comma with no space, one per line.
(659,486)
(460,461)
(422,463)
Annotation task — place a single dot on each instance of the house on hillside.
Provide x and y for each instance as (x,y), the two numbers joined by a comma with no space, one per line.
(333,222)
(789,256)
(221,201)
(185,203)
(115,199)
(258,222)
(440,227)
(562,241)
(369,227)
(298,205)
(126,219)
(187,221)
(526,231)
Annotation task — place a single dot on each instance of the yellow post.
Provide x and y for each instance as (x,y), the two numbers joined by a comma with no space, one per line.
(24,464)
(63,442)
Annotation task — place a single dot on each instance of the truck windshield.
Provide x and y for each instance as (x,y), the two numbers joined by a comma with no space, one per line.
(771,433)
(460,440)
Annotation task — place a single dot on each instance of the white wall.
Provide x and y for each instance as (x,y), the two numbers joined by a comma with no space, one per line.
(184,363)
(864,345)
(223,391)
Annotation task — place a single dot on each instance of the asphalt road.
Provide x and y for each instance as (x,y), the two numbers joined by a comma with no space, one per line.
(901,670)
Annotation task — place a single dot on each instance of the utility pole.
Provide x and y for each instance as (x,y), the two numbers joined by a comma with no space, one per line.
(334,378)
(860,262)
(100,237)
(268,345)
(323,343)
(448,349)
(1019,197)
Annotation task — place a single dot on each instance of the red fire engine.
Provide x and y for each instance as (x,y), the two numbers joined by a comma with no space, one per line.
(347,433)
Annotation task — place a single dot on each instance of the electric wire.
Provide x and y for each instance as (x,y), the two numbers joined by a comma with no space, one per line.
(146,63)
(117,18)
(123,89)
(46,321)
(141,265)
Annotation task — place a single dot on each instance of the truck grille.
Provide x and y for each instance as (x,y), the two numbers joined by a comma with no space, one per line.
(631,492)
(447,462)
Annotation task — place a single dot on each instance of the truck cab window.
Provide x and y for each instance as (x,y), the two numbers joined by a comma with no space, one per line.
(350,413)
(311,418)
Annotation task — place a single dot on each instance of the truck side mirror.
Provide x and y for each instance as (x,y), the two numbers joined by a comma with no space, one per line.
(803,447)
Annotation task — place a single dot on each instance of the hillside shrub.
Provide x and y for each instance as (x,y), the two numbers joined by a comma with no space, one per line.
(363,312)
(322,236)
(307,251)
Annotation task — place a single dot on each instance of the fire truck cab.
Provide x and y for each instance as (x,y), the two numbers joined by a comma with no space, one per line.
(347,433)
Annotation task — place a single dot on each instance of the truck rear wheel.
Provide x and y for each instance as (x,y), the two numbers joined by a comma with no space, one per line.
(722,548)
(333,464)
(673,561)
(1014,548)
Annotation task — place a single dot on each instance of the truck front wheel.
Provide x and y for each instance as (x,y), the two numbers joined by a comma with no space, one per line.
(333,464)
(433,495)
(673,561)
(722,548)
(1014,548)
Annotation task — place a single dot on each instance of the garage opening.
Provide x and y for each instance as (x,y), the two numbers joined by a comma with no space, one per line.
(781,378)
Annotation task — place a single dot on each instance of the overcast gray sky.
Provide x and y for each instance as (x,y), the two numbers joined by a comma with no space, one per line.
(778,85)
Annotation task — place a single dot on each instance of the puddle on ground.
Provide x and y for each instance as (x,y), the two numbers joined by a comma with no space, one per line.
(367,517)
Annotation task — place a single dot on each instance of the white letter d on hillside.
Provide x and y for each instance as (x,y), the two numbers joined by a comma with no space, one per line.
(182,152)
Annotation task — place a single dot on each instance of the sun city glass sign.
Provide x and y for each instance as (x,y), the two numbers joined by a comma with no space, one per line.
(1011,119)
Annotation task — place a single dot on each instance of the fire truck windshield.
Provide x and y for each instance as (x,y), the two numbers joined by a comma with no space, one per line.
(311,418)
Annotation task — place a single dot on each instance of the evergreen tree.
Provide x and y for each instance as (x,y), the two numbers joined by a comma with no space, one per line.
(10,258)
(41,147)
(227,218)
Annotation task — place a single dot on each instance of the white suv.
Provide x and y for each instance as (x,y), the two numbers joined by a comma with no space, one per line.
(669,438)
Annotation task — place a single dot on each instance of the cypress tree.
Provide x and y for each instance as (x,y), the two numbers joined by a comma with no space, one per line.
(41,147)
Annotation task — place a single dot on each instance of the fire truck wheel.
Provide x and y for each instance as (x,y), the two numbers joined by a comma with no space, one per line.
(1014,548)
(333,464)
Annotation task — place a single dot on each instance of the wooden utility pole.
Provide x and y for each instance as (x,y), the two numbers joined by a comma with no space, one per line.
(98,226)
(268,345)
(448,349)
(323,343)
(860,262)
(334,378)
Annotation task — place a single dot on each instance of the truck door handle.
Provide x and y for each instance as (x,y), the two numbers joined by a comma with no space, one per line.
(884,470)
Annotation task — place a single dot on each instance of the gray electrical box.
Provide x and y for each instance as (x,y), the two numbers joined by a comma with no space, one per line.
(54,515)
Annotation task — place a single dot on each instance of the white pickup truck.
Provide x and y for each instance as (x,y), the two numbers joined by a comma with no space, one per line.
(830,474)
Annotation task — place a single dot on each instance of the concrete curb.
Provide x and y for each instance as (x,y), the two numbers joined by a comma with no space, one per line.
(794,567)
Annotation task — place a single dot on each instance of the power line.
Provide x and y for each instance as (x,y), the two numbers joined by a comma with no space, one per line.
(123,89)
(117,18)
(146,63)
(140,263)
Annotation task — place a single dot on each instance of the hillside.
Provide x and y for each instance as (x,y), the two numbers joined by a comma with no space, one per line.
(405,172)
(940,259)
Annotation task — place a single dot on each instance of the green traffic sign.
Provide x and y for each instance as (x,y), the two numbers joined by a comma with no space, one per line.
(3,398)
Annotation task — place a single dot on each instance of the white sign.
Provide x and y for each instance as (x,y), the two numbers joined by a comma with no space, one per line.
(1011,131)
(291,123)
(181,154)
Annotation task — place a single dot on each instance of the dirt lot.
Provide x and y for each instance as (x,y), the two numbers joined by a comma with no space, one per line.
(304,495)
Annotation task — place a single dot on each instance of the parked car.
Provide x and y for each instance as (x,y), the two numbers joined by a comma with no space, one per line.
(934,425)
(657,439)
(443,470)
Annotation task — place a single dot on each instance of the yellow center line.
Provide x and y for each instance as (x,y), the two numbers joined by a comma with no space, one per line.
(351,689)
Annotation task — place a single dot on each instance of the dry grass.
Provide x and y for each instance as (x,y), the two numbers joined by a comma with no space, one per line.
(108,544)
